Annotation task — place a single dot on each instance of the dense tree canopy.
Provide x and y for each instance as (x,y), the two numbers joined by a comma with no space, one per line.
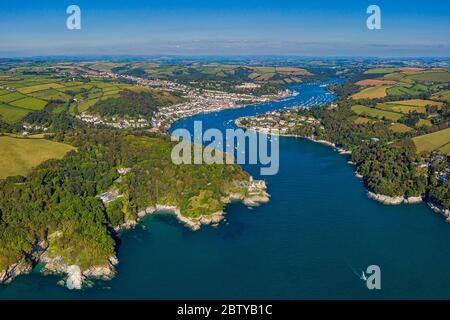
(135,104)
(59,196)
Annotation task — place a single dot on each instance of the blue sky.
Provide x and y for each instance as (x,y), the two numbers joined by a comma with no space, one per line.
(216,27)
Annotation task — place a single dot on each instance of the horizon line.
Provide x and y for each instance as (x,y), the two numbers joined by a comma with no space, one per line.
(205,55)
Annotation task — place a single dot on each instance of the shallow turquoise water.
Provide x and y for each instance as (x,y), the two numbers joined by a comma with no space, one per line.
(318,227)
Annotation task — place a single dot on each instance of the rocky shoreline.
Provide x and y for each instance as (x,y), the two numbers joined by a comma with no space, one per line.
(76,278)
(393,200)
(311,138)
(384,199)
(23,266)
(387,200)
(440,209)
(279,96)
(257,194)
(15,270)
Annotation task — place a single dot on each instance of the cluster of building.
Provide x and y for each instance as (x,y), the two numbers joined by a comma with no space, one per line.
(444,176)
(33,128)
(115,122)
(12,89)
(205,101)
(285,121)
(153,83)
(197,101)
(248,85)
(110,196)
(113,194)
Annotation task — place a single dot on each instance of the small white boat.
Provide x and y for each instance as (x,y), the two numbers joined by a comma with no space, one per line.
(363,276)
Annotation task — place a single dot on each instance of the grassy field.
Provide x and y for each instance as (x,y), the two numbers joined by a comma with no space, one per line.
(417,103)
(215,72)
(400,108)
(424,123)
(50,94)
(361,120)
(445,149)
(10,114)
(431,76)
(77,87)
(19,155)
(442,95)
(400,128)
(7,98)
(381,70)
(415,90)
(375,113)
(58,109)
(432,141)
(413,82)
(40,87)
(29,103)
(371,93)
(84,106)
(35,92)
(395,77)
(375,82)
(105,66)
(412,75)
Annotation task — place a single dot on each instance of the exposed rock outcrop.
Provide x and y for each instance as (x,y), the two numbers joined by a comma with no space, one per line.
(256,193)
(23,266)
(14,270)
(343,151)
(75,276)
(440,209)
(393,200)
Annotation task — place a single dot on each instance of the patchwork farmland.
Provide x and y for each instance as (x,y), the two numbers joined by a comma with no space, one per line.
(412,82)
(21,95)
(410,102)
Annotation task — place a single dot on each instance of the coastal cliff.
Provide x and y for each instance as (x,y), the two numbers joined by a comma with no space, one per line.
(253,194)
(68,225)
(393,200)
(76,277)
(440,209)
(288,127)
(15,270)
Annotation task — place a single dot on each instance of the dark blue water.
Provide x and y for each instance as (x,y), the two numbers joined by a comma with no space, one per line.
(305,243)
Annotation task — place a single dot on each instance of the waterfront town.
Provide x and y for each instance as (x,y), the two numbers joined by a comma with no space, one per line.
(287,122)
(197,101)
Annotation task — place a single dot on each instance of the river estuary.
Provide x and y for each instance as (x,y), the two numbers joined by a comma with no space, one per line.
(310,241)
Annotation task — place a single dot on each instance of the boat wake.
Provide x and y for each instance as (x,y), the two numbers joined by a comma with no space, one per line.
(361,274)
